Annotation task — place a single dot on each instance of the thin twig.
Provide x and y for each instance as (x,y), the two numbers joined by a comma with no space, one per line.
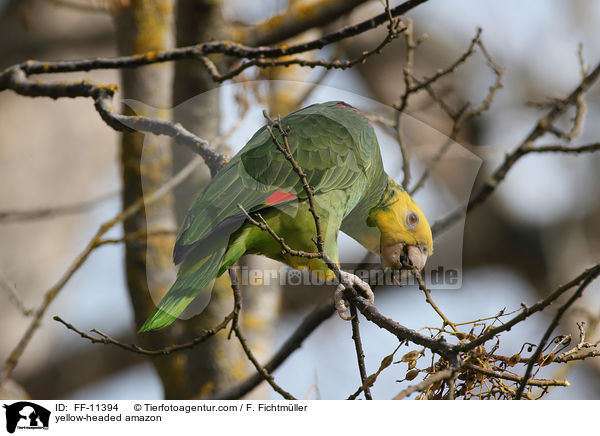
(103,338)
(54,211)
(586,276)
(237,301)
(270,63)
(526,146)
(505,376)
(139,235)
(430,301)
(360,354)
(465,113)
(310,323)
(370,312)
(83,6)
(260,369)
(414,85)
(562,309)
(13,295)
(229,48)
(51,294)
(16,79)
(235,327)
(286,151)
(264,226)
(439,376)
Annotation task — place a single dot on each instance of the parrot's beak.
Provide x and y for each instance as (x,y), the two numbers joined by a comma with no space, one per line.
(399,255)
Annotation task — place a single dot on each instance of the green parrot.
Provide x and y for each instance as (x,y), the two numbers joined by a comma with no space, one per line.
(336,147)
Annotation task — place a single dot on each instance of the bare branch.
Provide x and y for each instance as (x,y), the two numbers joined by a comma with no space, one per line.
(465,113)
(586,277)
(505,376)
(589,148)
(439,376)
(393,33)
(429,300)
(542,127)
(96,240)
(55,211)
(304,330)
(360,354)
(103,338)
(286,151)
(228,48)
(538,352)
(15,78)
(414,85)
(297,18)
(264,226)
(237,296)
(13,295)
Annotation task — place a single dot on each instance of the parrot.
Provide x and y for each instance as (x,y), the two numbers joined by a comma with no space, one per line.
(336,147)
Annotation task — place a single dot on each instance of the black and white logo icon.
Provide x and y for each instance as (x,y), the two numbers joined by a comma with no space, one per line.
(26,415)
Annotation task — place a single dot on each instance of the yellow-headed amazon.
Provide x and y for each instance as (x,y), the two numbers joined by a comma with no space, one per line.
(335,145)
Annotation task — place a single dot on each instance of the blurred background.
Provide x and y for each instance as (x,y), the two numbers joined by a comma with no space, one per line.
(537,231)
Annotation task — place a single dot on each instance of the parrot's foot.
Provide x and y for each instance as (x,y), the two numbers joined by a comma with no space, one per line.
(341,304)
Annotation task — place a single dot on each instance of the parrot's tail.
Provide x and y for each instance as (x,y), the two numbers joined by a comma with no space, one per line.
(195,273)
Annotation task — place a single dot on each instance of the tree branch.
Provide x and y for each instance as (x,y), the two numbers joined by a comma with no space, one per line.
(55,211)
(542,127)
(587,276)
(562,309)
(360,354)
(228,48)
(96,240)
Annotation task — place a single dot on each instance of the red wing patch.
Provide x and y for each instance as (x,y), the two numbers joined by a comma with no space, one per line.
(279,197)
(357,111)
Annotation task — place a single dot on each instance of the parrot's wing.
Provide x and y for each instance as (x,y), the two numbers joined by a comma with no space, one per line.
(332,155)
(331,146)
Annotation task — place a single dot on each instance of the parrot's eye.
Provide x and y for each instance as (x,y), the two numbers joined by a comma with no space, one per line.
(411,219)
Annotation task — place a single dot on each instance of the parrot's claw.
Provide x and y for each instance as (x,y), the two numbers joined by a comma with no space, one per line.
(341,304)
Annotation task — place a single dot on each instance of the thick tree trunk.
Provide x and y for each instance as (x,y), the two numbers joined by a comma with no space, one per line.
(146,165)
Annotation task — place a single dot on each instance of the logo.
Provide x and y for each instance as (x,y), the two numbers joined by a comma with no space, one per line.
(26,415)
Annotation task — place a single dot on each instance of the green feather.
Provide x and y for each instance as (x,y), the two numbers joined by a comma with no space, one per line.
(193,277)
(336,147)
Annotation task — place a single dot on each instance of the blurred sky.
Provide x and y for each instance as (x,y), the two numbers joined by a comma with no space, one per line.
(527,38)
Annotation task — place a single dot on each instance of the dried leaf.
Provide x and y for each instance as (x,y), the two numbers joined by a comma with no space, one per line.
(548,359)
(514,359)
(411,355)
(410,375)
(387,361)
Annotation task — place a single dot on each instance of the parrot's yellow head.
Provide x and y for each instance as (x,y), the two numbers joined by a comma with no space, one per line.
(405,233)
